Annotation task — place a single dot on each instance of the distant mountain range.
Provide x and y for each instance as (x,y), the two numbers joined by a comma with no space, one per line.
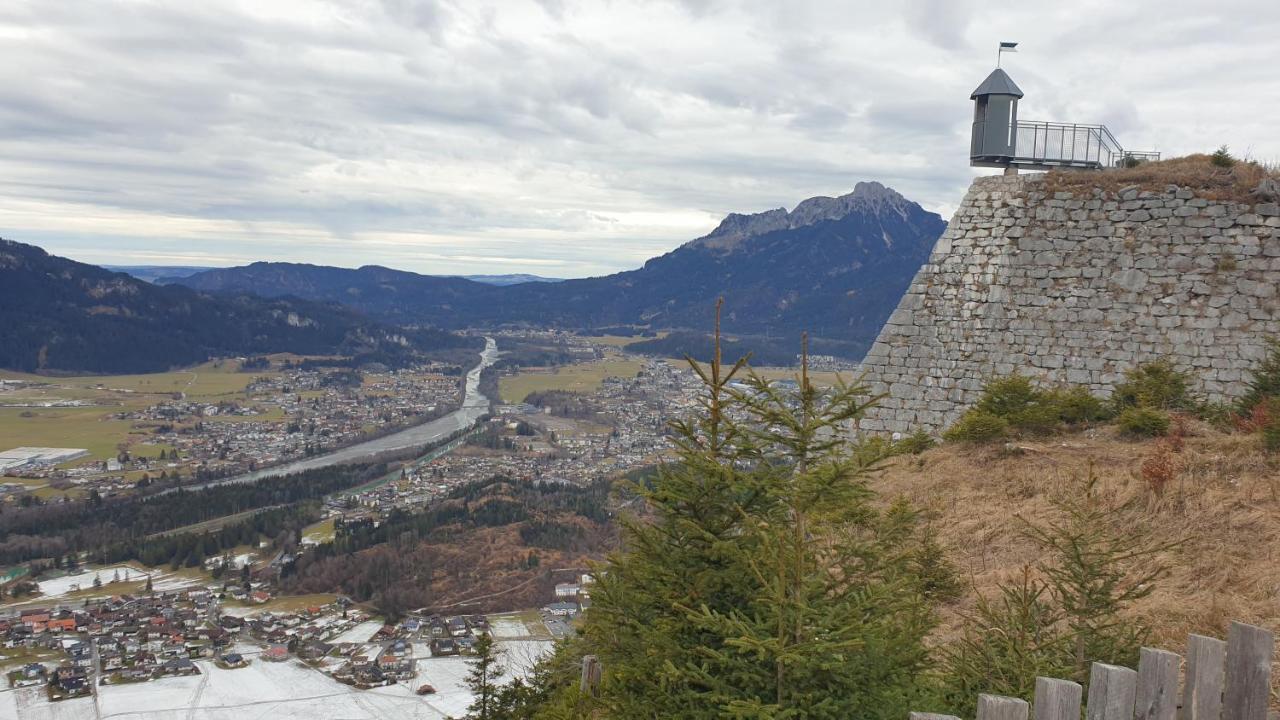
(171,274)
(835,267)
(61,315)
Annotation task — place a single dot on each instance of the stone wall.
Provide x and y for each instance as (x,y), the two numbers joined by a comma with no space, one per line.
(1077,288)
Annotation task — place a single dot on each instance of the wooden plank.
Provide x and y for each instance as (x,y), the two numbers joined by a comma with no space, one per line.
(1202,691)
(1112,691)
(1157,685)
(1248,681)
(1057,699)
(930,716)
(998,707)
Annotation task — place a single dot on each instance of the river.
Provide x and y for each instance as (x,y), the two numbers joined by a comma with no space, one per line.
(474,405)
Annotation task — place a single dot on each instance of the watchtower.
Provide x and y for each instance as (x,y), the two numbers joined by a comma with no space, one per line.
(995,120)
(1001,140)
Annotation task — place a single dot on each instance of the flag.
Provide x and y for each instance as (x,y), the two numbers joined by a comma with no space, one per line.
(1008,46)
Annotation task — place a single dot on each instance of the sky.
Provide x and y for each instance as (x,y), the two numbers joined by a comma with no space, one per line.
(555,137)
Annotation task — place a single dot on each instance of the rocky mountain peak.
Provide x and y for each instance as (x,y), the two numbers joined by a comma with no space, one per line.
(866,197)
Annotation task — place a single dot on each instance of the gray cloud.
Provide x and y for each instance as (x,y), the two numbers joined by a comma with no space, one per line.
(556,136)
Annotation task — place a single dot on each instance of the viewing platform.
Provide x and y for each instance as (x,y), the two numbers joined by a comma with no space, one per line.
(999,139)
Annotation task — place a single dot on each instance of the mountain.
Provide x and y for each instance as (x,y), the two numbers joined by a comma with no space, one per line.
(61,315)
(158,273)
(171,274)
(834,266)
(510,279)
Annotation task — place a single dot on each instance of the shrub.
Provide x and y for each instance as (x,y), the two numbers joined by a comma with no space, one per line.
(1160,469)
(914,444)
(1143,422)
(977,426)
(1023,406)
(1155,385)
(1222,157)
(1008,396)
(1265,382)
(1271,435)
(1077,406)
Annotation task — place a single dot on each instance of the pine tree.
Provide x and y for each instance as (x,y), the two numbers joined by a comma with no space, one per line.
(761,582)
(1065,613)
(482,681)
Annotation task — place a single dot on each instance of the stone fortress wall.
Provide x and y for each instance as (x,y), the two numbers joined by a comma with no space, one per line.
(1076,288)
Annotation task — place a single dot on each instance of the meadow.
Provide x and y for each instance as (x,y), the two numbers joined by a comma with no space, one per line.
(90,426)
(583,378)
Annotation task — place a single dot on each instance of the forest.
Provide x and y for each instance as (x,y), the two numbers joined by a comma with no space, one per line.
(52,530)
(489,534)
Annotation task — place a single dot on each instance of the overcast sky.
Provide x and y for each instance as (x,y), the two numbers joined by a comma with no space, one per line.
(557,137)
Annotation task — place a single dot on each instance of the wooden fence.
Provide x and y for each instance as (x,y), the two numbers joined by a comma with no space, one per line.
(1223,681)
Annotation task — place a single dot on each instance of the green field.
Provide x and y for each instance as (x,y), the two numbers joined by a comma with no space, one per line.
(89,427)
(210,380)
(584,378)
(320,532)
(63,427)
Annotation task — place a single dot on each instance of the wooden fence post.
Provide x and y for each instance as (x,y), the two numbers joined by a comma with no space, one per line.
(1057,699)
(1112,690)
(590,680)
(1248,687)
(998,707)
(1157,685)
(1202,691)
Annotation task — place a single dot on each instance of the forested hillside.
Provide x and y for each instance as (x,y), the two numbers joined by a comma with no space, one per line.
(485,546)
(61,315)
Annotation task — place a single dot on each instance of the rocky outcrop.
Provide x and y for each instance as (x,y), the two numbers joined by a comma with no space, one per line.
(866,197)
(1077,288)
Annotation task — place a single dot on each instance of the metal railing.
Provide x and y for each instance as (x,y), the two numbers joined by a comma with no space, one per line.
(1055,144)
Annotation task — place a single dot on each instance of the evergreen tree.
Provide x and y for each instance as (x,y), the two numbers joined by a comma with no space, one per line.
(762,582)
(482,681)
(1065,613)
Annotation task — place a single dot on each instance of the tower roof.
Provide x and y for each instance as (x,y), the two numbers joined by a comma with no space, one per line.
(997,83)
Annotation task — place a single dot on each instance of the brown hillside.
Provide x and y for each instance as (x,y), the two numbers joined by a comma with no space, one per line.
(1224,502)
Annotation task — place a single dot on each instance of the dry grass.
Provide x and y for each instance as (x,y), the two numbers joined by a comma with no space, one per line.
(1223,505)
(1235,183)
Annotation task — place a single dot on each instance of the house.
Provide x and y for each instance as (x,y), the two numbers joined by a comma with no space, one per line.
(234,660)
(259,597)
(443,647)
(563,609)
(276,653)
(568,590)
(457,626)
(179,666)
(314,650)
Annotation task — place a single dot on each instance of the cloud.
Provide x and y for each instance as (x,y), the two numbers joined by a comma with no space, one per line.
(556,136)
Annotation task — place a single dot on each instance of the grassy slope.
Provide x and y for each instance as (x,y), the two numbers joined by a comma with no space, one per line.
(1225,504)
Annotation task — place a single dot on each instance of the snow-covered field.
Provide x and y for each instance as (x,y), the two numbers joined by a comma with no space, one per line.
(358,634)
(160,580)
(268,691)
(508,626)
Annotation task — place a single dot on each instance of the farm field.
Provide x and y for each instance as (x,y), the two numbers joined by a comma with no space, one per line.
(81,427)
(88,426)
(584,378)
